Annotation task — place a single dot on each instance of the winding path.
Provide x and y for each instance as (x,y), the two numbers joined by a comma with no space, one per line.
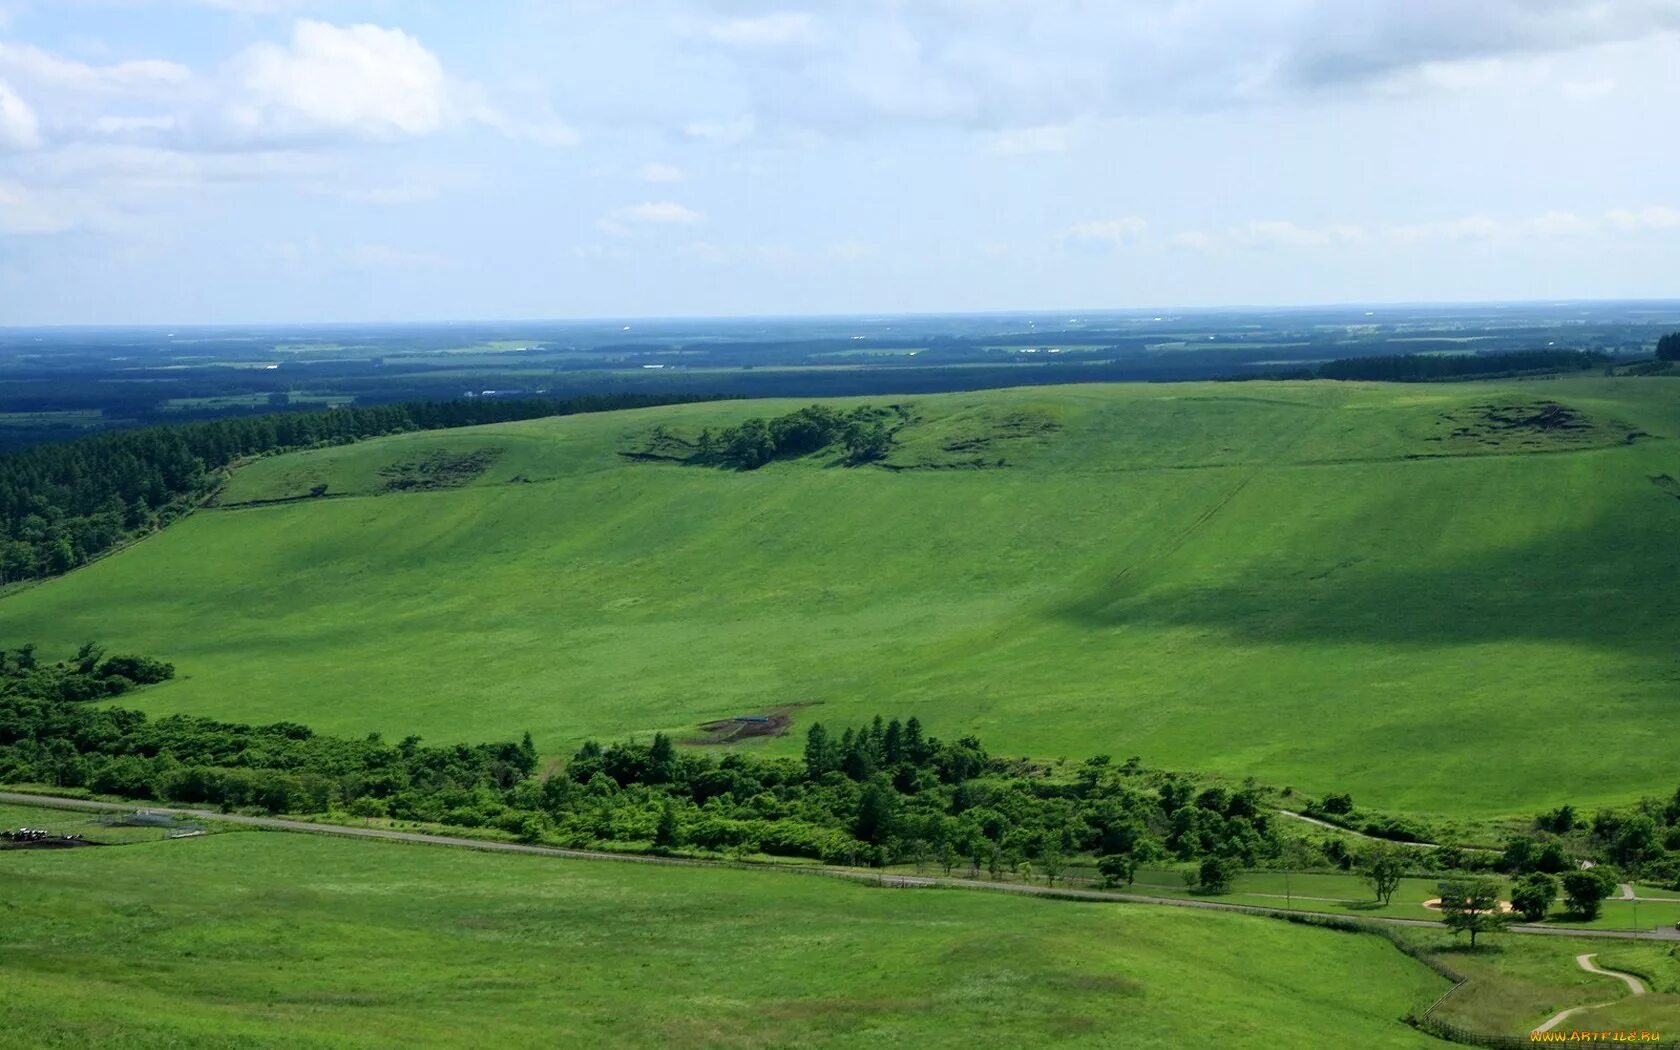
(876,878)
(1635,987)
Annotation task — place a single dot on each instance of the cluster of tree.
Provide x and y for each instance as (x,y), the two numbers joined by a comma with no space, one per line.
(1417,368)
(90,675)
(863,433)
(279,768)
(1668,347)
(890,793)
(1642,841)
(887,792)
(63,504)
(1338,808)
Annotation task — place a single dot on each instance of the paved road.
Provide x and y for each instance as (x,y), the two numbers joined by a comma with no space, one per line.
(871,877)
(1585,962)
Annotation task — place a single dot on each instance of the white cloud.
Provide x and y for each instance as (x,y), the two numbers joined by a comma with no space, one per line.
(361,79)
(1113,232)
(1277,233)
(655,171)
(1468,228)
(544,129)
(1014,142)
(407,193)
(1653,217)
(19,127)
(132,125)
(28,63)
(623,221)
(662,212)
(1560,224)
(774,30)
(1192,240)
(727,133)
(385,257)
(994,65)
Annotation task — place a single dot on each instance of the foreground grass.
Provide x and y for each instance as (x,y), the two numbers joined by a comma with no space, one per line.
(257,939)
(1245,578)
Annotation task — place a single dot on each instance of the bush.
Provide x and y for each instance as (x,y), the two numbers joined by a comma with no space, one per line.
(1533,896)
(1213,875)
(1584,891)
(140,670)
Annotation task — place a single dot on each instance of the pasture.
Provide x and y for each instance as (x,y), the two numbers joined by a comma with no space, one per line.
(262,939)
(1427,595)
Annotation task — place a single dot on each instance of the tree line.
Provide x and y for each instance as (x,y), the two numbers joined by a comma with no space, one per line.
(1668,347)
(62,505)
(885,792)
(1417,368)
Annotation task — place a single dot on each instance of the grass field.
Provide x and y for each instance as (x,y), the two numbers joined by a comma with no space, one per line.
(255,939)
(1327,586)
(1517,982)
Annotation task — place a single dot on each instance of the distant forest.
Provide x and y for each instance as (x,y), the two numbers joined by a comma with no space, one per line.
(62,505)
(1419,368)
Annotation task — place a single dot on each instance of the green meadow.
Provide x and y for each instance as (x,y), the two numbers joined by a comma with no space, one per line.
(260,939)
(1391,590)
(1518,982)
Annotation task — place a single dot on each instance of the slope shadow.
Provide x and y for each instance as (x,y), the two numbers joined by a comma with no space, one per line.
(1611,584)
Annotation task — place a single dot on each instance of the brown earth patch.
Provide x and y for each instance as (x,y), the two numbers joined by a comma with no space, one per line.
(775,722)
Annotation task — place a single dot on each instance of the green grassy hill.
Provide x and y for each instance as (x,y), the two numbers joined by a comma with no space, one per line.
(252,939)
(1446,599)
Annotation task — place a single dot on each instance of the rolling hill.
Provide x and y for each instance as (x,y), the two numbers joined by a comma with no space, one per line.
(1452,599)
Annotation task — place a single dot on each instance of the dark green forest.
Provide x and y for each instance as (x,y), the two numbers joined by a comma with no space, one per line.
(1418,368)
(62,505)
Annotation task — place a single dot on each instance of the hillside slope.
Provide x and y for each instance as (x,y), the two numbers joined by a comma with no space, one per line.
(280,940)
(1446,599)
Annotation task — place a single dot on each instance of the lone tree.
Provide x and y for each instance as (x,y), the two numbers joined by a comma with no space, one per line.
(1117,868)
(1584,891)
(667,833)
(1668,347)
(1053,861)
(1382,870)
(1471,906)
(1533,896)
(1214,875)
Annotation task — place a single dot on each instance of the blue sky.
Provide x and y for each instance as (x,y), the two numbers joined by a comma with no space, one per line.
(266,160)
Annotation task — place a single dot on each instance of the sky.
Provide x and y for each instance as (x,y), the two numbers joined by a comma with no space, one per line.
(179,161)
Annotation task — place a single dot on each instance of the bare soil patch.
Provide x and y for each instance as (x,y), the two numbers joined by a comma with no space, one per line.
(775,722)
